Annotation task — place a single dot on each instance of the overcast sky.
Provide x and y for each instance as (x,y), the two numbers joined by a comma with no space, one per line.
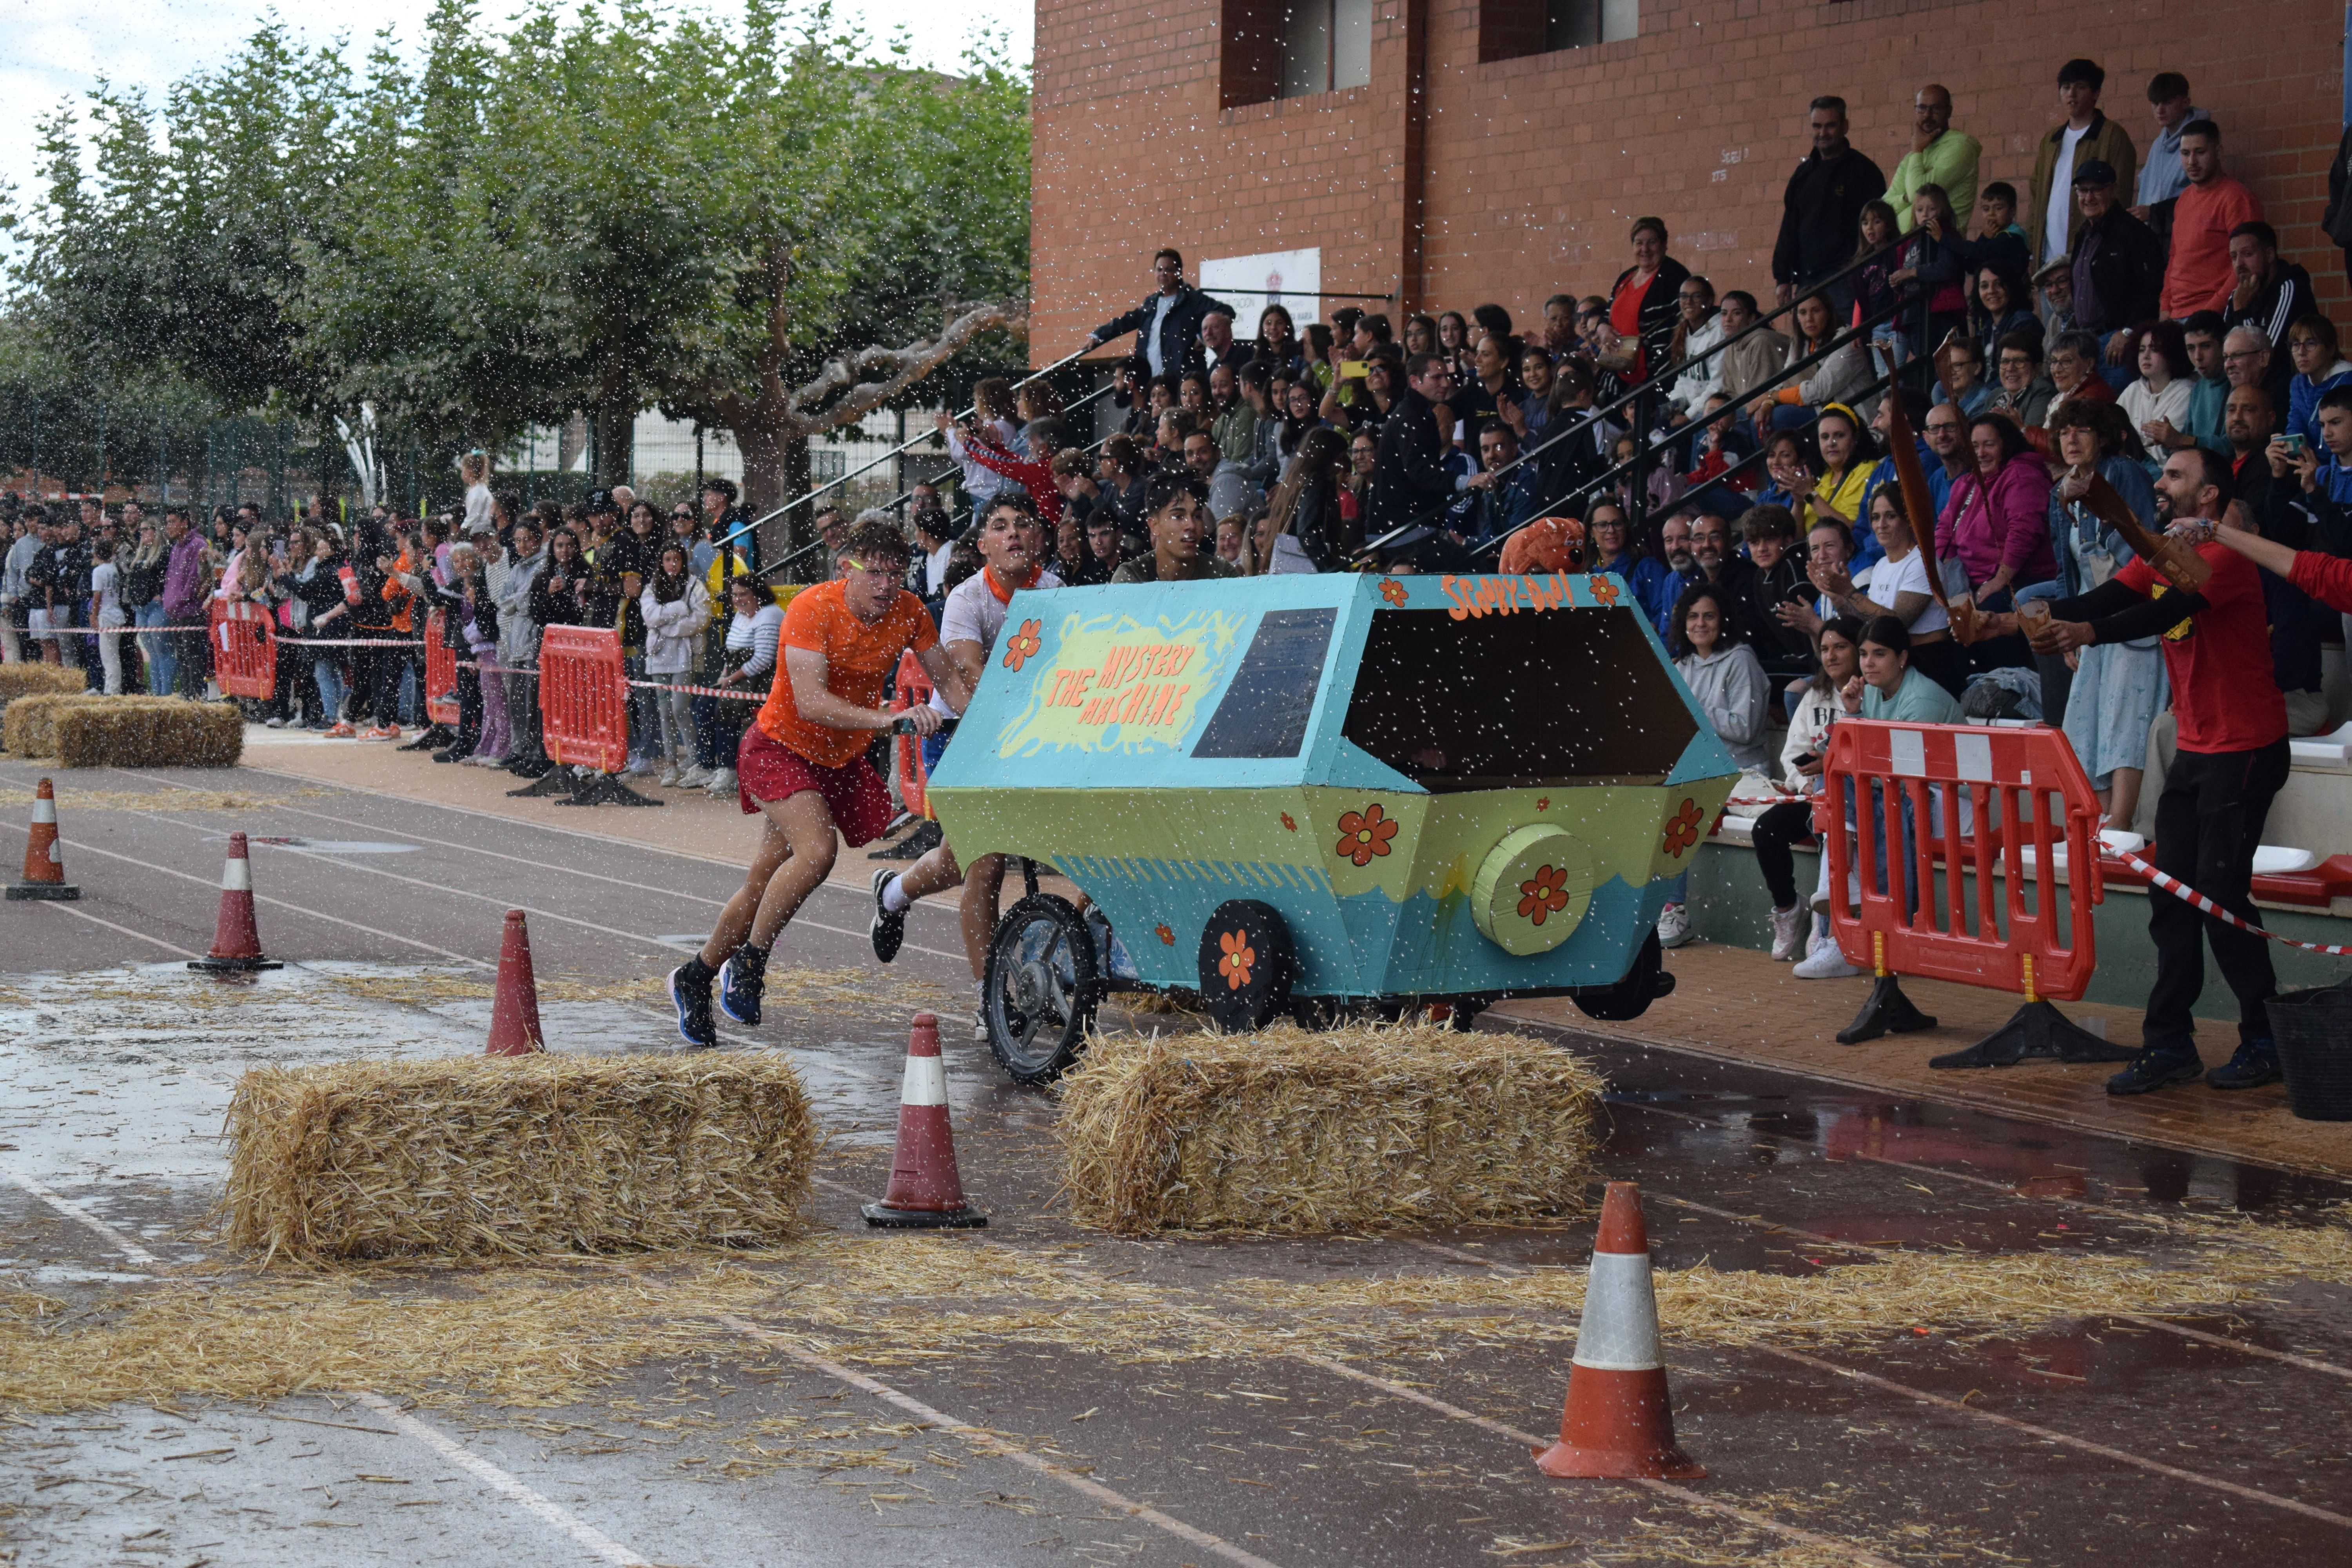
(55,49)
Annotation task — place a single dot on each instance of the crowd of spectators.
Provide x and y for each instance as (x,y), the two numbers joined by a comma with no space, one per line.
(125,595)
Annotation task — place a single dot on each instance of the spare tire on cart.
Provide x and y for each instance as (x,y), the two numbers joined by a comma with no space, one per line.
(1043,983)
(1247,965)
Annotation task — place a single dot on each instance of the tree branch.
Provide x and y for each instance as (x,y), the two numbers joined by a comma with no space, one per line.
(898,368)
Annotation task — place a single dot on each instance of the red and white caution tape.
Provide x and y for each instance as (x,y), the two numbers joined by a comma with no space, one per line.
(2188,895)
(735,692)
(1769,800)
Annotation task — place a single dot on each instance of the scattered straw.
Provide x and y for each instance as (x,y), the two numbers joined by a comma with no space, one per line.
(30,680)
(1291,1131)
(159,800)
(472,1155)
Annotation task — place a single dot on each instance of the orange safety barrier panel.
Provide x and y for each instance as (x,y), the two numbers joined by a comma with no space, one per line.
(440,672)
(1972,798)
(244,650)
(914,688)
(584,698)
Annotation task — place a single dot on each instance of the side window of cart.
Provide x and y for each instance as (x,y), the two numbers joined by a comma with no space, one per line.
(1265,710)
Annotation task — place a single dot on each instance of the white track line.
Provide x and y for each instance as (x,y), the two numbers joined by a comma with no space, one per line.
(990,1442)
(67,908)
(1846,1549)
(546,1511)
(120,1239)
(2049,1435)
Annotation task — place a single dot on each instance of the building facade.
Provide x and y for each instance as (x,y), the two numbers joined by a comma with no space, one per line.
(1449,152)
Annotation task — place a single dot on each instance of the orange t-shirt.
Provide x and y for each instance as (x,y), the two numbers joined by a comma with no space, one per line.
(858,661)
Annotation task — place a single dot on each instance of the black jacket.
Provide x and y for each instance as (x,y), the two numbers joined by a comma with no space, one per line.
(1660,308)
(1180,332)
(1407,478)
(2285,297)
(2338,220)
(2126,271)
(1821,213)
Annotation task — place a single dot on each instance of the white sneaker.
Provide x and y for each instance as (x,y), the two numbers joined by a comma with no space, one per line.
(694,775)
(1673,926)
(668,779)
(1826,963)
(638,768)
(722,782)
(1788,928)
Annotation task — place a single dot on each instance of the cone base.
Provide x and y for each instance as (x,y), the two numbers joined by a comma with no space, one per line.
(923,1219)
(1618,1464)
(232,965)
(527,1049)
(55,892)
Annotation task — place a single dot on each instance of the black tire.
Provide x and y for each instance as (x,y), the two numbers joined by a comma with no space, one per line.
(1245,989)
(1045,982)
(1643,984)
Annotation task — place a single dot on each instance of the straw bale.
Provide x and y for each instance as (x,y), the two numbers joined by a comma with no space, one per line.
(29,680)
(1301,1132)
(150,732)
(476,1155)
(27,726)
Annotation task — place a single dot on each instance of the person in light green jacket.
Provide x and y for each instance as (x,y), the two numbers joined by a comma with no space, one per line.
(1939,155)
(1888,687)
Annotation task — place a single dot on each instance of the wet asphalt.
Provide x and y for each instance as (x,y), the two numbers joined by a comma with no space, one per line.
(2101,1438)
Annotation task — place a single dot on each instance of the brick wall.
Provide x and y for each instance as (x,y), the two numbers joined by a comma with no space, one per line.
(1457,182)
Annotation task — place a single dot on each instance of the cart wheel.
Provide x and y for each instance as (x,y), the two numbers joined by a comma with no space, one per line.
(1246,965)
(1630,997)
(1045,981)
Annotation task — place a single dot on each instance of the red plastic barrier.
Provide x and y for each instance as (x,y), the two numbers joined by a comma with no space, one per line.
(584,698)
(244,650)
(2027,794)
(914,688)
(440,672)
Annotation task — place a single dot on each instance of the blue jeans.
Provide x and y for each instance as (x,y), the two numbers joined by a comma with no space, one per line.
(329,676)
(155,649)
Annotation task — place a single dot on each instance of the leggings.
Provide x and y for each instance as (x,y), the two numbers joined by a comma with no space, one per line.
(1773,832)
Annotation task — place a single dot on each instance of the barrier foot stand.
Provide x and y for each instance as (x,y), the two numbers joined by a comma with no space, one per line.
(926,838)
(1888,1012)
(431,738)
(2036,1031)
(605,789)
(556,781)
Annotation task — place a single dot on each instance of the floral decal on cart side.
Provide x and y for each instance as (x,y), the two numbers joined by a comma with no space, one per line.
(1683,828)
(1366,833)
(1238,956)
(1022,645)
(1545,893)
(1393,591)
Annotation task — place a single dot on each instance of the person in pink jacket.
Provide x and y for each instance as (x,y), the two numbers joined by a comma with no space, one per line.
(1996,522)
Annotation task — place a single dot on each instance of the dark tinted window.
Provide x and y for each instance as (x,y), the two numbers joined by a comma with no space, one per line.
(1265,710)
(1501,701)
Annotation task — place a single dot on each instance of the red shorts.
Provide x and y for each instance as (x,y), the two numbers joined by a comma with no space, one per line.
(766,772)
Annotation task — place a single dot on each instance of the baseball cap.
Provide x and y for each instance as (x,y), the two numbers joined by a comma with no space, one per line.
(2096,172)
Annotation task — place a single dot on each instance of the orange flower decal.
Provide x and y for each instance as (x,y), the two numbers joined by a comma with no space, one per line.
(1238,957)
(1683,828)
(1290,823)
(1604,592)
(1393,591)
(1366,833)
(1167,938)
(1023,645)
(1544,894)
(1543,802)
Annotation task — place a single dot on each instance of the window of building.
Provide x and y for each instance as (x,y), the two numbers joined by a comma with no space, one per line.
(1510,29)
(1327,45)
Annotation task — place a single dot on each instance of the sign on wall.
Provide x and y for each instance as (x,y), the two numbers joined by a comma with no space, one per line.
(1290,278)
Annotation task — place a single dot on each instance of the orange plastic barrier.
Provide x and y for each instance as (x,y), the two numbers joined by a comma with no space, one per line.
(440,672)
(584,698)
(244,650)
(914,688)
(1979,797)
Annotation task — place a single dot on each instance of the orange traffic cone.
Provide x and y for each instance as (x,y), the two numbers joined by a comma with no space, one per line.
(925,1193)
(236,940)
(45,868)
(514,1015)
(1618,1423)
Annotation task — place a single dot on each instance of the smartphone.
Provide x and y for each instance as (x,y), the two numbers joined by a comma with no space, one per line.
(1808,759)
(2293,445)
(1351,370)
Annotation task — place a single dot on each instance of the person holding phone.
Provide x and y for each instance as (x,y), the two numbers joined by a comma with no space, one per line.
(1812,709)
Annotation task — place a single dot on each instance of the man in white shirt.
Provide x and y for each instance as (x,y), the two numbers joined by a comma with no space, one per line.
(1702,334)
(1012,551)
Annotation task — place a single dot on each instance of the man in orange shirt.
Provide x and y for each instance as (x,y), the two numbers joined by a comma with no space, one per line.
(803,761)
(2199,276)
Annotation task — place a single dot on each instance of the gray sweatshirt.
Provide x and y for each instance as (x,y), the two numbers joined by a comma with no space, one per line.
(1732,691)
(518,633)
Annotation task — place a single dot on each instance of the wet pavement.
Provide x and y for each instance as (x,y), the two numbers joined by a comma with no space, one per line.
(1340,1400)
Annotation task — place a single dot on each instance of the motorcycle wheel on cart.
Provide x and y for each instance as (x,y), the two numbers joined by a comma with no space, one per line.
(1648,980)
(1043,984)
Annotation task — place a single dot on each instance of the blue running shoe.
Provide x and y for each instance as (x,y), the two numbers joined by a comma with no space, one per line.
(689,992)
(742,981)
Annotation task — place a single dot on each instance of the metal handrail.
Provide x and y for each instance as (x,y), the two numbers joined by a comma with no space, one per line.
(1649,385)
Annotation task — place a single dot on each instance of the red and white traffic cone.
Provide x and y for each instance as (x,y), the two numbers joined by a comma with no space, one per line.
(926,1192)
(514,1014)
(1618,1423)
(236,940)
(44,866)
